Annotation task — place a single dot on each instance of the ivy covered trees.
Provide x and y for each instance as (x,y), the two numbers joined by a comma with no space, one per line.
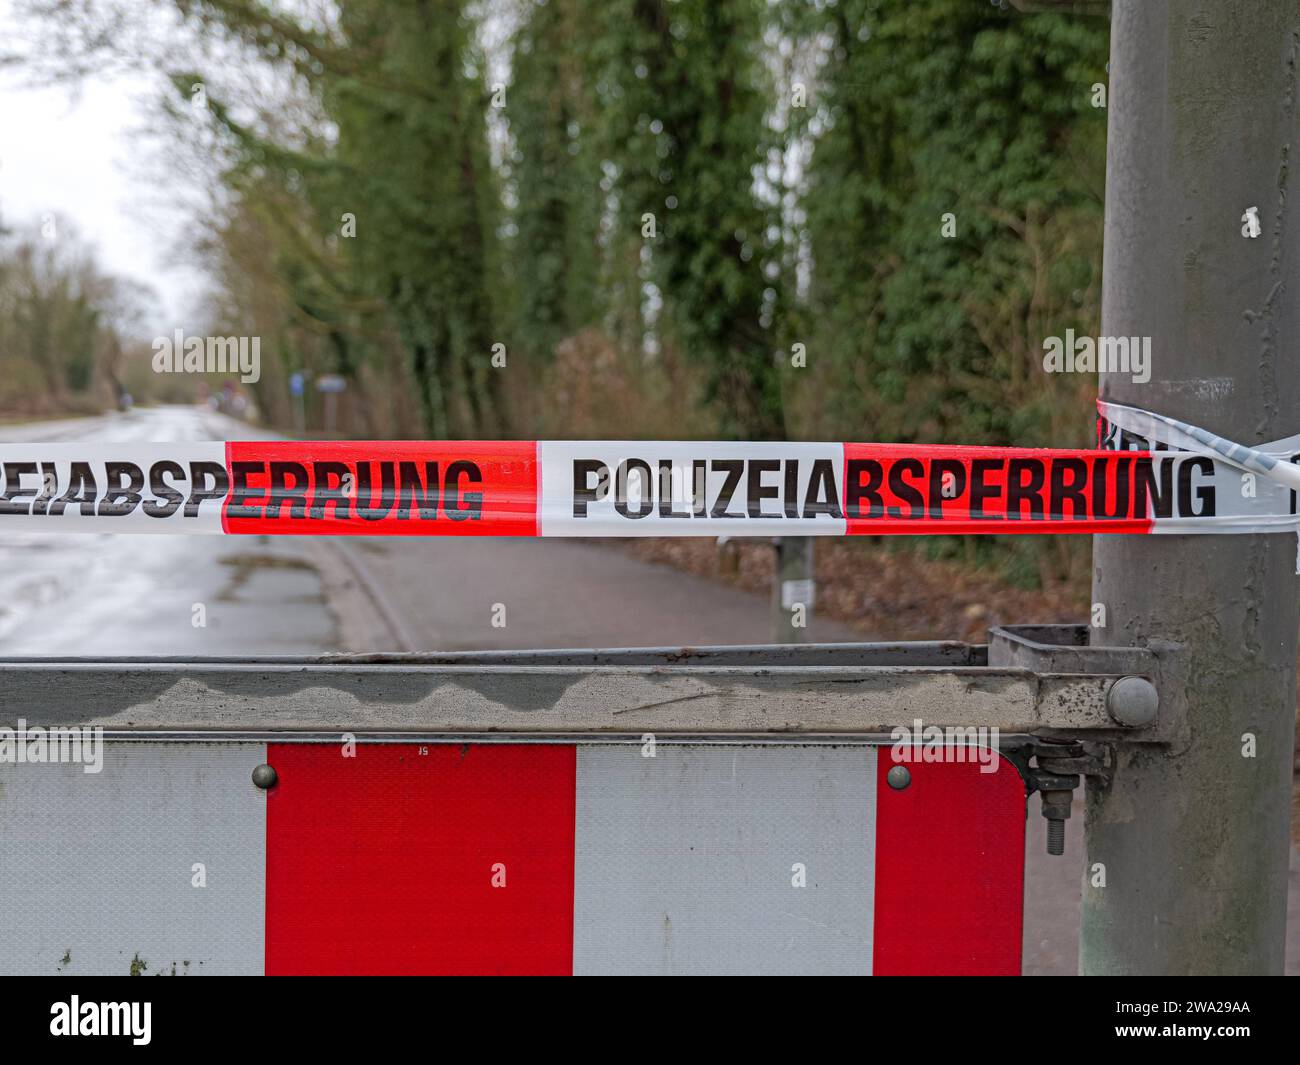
(768,218)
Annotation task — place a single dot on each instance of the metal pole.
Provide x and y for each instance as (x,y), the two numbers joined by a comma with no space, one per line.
(1192,840)
(792,589)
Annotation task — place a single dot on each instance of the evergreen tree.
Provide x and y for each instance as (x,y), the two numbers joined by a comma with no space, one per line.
(685,97)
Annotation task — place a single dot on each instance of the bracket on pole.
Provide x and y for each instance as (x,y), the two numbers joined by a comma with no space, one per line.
(1054,768)
(1141,688)
(1142,698)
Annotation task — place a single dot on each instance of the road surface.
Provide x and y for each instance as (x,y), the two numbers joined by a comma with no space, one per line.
(104,594)
(107,594)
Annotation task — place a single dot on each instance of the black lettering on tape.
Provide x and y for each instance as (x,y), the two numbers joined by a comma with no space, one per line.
(822,496)
(49,485)
(123,482)
(980,491)
(170,496)
(791,488)
(584,492)
(1204,492)
(366,506)
(756,491)
(208,480)
(453,494)
(1061,491)
(938,468)
(328,490)
(246,499)
(1100,488)
(734,469)
(666,500)
(15,493)
(855,492)
(1025,477)
(1144,485)
(423,493)
(81,490)
(908,493)
(288,485)
(622,482)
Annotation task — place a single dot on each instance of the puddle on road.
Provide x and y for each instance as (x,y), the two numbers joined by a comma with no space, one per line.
(371,547)
(107,594)
(47,587)
(287,587)
(245,567)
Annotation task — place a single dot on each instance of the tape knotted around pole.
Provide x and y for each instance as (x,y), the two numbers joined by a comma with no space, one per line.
(1277,461)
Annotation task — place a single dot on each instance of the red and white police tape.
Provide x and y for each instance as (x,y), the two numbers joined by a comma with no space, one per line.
(1149,474)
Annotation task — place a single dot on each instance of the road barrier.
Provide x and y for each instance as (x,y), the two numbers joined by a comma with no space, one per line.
(506,858)
(848,808)
(725,810)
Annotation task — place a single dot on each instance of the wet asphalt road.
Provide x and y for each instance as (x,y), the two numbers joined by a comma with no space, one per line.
(105,594)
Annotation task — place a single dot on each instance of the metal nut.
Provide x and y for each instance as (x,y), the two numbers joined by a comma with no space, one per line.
(264,776)
(1133,702)
(899,777)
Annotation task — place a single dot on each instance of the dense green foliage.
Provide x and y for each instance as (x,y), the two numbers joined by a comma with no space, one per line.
(554,179)
(557,217)
(907,192)
(685,99)
(381,203)
(942,109)
(943,219)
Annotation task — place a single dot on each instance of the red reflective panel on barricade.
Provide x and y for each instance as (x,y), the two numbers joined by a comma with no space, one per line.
(420,859)
(950,865)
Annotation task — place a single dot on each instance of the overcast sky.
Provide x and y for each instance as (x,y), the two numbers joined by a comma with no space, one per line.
(72,153)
